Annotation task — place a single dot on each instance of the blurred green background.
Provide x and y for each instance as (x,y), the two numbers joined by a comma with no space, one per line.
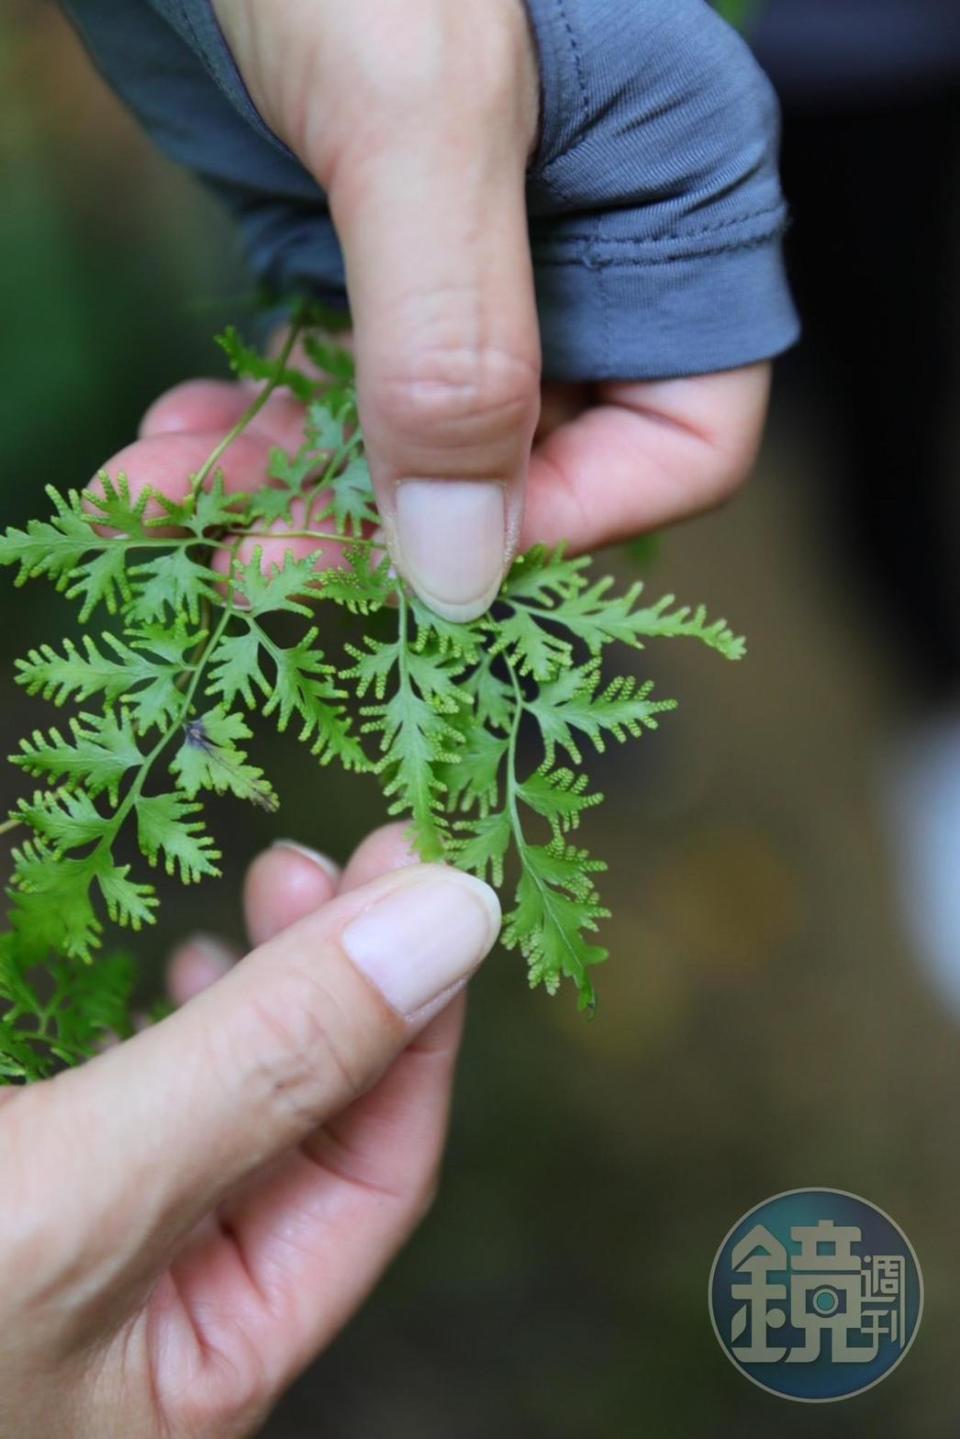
(761,1024)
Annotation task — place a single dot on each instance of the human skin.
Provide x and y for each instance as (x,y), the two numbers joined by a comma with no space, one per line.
(189,1218)
(418,121)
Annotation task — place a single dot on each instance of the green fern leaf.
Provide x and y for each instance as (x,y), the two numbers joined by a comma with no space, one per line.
(64,819)
(102,751)
(303,686)
(362,585)
(545,576)
(51,548)
(559,796)
(351,503)
(167,828)
(372,667)
(248,364)
(480,845)
(173,583)
(446,638)
(492,698)
(235,670)
(90,1004)
(279,587)
(111,505)
(415,741)
(52,911)
(659,621)
(573,703)
(73,675)
(209,509)
(210,758)
(533,647)
(550,927)
(565,866)
(146,684)
(129,903)
(473,779)
(102,580)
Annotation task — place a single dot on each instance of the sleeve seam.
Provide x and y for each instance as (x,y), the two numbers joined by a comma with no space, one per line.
(679,236)
(577,61)
(588,257)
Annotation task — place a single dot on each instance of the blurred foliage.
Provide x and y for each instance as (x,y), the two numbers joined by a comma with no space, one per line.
(644,551)
(90,239)
(738,12)
(762,1026)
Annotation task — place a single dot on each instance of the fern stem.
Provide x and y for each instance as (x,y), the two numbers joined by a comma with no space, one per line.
(519,838)
(403,610)
(136,788)
(323,535)
(251,412)
(512,806)
(336,460)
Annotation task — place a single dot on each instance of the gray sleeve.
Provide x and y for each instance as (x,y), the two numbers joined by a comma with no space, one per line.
(654,203)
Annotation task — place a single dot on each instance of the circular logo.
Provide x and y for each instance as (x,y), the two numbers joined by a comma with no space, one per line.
(815,1295)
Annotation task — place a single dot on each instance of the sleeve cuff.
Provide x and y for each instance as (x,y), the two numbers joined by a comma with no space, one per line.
(641,318)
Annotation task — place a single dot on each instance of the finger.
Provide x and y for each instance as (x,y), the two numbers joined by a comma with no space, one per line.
(645,456)
(253,1065)
(166,463)
(215,406)
(305,1248)
(296,1252)
(386,849)
(284,884)
(443,308)
(181,429)
(275,541)
(196,964)
(290,880)
(195,405)
(560,403)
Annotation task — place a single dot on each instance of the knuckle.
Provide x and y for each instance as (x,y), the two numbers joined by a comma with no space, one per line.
(733,438)
(461,396)
(728,470)
(297,1054)
(425,1195)
(234,1396)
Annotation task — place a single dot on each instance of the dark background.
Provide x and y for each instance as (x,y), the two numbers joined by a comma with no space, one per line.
(762,1023)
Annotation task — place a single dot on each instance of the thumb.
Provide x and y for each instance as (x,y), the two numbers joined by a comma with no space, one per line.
(428,199)
(151,1135)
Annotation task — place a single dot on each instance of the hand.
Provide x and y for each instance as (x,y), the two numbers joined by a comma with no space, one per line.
(186,1220)
(418,121)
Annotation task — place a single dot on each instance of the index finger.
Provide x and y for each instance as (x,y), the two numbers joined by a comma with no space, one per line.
(644,455)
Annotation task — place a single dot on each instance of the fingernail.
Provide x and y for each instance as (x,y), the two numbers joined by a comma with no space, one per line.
(424,936)
(313,855)
(452,541)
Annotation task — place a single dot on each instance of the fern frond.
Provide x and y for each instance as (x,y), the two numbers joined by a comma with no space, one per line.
(443,713)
